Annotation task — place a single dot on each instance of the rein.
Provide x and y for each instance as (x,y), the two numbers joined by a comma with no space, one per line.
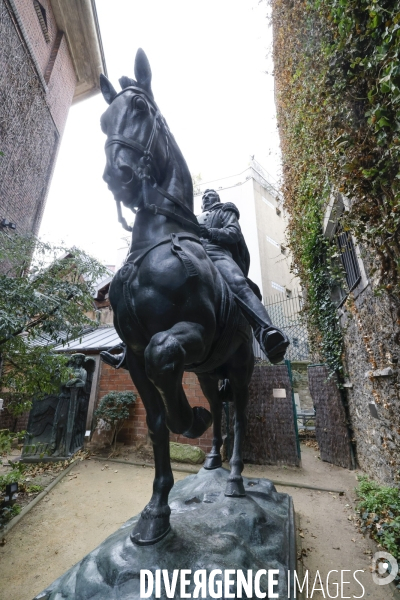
(146,161)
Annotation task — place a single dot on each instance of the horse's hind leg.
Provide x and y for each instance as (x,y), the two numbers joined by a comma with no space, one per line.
(239,379)
(209,386)
(165,357)
(234,486)
(153,524)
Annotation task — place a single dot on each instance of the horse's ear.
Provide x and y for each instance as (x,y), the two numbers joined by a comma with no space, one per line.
(143,71)
(107,89)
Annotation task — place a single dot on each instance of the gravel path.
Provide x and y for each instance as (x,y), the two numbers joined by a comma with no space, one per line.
(96,497)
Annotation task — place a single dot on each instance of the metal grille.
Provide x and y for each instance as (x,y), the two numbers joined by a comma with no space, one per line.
(348,257)
(286,314)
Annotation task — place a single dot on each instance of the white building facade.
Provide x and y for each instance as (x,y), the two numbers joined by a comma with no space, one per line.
(263,222)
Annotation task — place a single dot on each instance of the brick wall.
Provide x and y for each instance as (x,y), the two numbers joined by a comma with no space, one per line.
(32,115)
(27,14)
(61,86)
(8,421)
(135,429)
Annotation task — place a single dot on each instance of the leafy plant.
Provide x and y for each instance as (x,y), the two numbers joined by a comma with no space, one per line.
(34,489)
(16,475)
(9,512)
(44,300)
(114,410)
(7,438)
(379,508)
(5,441)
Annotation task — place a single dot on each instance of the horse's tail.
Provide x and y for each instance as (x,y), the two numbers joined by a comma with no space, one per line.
(225,391)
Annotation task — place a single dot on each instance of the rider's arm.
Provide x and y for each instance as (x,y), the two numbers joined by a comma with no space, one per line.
(229,232)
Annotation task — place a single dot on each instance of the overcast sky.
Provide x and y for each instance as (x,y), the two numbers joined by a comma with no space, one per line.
(212,79)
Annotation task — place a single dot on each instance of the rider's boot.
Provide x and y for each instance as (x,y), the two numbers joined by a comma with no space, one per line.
(272,340)
(118,361)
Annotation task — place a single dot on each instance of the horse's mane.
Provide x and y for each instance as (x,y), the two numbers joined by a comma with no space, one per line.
(125,82)
(185,176)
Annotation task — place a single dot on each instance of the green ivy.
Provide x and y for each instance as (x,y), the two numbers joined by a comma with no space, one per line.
(337,74)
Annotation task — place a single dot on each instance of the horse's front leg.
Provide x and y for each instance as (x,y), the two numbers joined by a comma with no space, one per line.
(165,357)
(153,524)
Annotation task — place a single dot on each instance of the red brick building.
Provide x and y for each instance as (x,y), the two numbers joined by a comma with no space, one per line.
(107,379)
(50,56)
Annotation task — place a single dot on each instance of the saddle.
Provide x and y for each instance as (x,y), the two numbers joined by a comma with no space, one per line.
(230,316)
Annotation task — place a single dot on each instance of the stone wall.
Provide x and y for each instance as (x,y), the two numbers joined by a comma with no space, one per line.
(370,326)
(300,383)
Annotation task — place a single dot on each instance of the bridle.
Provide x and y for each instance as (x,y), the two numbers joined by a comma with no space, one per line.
(143,170)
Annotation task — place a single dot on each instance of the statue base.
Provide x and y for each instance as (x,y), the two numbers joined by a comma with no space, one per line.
(209,531)
(46,459)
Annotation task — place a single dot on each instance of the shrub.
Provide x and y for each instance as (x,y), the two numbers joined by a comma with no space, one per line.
(7,438)
(35,489)
(5,441)
(114,410)
(16,475)
(379,508)
(9,512)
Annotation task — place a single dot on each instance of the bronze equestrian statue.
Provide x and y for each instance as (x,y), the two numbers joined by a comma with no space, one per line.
(173,308)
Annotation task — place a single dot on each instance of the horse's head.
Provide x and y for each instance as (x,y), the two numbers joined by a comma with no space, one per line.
(138,138)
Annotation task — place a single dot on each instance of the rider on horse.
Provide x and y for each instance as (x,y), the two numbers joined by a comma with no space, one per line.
(224,243)
(223,240)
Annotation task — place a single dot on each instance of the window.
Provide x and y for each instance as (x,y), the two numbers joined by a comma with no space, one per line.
(41,15)
(273,242)
(347,270)
(345,261)
(347,255)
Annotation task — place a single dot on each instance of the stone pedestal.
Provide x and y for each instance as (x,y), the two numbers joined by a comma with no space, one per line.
(209,531)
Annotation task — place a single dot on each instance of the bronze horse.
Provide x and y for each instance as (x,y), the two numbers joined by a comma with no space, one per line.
(171,307)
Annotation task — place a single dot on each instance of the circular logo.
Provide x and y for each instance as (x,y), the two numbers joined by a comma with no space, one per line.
(384,568)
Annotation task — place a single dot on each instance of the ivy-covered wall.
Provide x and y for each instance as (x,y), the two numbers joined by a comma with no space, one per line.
(337,74)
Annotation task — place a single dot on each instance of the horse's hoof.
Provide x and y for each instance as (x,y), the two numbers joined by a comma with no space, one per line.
(213,461)
(152,526)
(235,488)
(202,420)
(139,541)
